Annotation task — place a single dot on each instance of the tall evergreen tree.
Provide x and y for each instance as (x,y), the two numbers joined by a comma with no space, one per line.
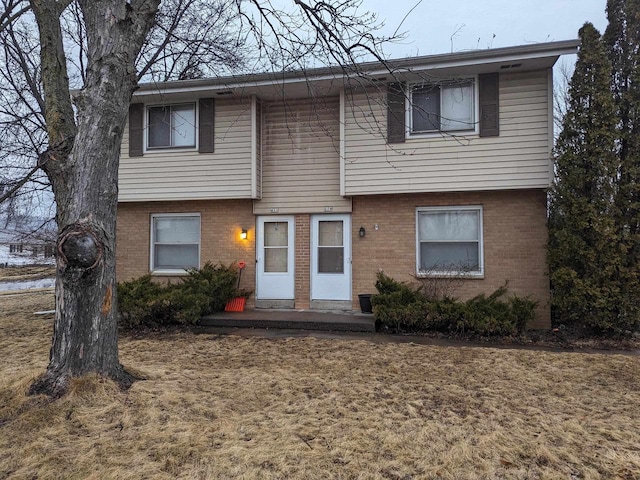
(583,247)
(622,40)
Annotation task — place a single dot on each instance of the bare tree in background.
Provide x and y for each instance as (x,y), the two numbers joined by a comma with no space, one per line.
(21,123)
(561,94)
(104,48)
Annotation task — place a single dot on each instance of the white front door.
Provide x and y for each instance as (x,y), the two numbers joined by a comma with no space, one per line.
(331,257)
(275,258)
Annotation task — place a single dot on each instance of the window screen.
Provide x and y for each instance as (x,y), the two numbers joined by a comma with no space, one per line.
(176,242)
(449,240)
(172,126)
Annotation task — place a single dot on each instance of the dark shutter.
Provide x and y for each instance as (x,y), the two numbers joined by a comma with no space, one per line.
(395,113)
(207,111)
(489,105)
(136,130)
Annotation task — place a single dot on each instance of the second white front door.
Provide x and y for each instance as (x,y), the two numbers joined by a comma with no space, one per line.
(275,259)
(331,257)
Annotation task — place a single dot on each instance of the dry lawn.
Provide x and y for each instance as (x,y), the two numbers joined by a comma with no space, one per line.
(27,272)
(226,407)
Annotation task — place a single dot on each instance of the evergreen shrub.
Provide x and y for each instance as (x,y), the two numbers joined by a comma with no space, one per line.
(400,307)
(145,303)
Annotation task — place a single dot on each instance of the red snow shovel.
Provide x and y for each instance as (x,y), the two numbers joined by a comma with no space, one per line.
(237,304)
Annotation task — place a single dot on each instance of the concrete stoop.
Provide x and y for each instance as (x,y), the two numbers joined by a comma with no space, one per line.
(340,321)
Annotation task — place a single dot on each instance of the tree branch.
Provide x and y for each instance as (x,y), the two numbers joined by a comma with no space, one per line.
(58,108)
(175,23)
(9,16)
(19,184)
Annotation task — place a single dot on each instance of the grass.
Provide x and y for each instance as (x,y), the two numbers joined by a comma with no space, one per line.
(27,272)
(226,407)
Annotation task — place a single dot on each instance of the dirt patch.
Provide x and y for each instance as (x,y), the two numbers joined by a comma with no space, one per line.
(578,339)
(306,408)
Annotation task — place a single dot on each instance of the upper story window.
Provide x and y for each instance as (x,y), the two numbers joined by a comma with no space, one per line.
(449,241)
(446,107)
(172,126)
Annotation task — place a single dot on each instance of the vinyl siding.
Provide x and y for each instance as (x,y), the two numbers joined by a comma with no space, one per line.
(300,158)
(258,149)
(189,175)
(518,158)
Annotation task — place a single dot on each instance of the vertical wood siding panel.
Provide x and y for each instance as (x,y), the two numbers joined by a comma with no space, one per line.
(259,152)
(301,157)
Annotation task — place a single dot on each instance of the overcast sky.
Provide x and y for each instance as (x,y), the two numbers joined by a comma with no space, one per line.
(442,26)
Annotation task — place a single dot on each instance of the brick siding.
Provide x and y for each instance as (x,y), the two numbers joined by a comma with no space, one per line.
(220,222)
(515,238)
(514,228)
(303,261)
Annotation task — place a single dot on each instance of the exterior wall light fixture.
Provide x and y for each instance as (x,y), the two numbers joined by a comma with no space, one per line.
(362,232)
(243,234)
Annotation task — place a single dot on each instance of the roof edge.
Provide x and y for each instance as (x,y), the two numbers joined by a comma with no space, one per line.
(442,60)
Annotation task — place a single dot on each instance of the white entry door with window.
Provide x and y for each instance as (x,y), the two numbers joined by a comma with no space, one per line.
(331,257)
(275,258)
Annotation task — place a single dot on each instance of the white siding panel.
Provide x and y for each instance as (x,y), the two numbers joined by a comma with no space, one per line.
(301,158)
(189,175)
(518,158)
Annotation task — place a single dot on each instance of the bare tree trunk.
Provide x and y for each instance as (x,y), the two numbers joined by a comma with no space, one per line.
(82,165)
(84,149)
(85,333)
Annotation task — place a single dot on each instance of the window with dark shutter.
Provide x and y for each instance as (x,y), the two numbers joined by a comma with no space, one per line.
(136,129)
(395,113)
(171,126)
(206,125)
(489,105)
(443,107)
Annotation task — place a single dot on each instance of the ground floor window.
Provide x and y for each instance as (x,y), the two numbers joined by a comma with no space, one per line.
(175,242)
(449,240)
(15,248)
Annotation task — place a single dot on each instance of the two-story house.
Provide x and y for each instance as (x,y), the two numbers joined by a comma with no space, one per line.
(430,166)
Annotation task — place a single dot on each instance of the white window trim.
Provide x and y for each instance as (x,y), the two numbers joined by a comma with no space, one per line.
(145,137)
(409,113)
(177,271)
(477,274)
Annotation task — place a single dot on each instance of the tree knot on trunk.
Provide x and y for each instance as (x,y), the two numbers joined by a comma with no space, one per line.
(56,155)
(80,247)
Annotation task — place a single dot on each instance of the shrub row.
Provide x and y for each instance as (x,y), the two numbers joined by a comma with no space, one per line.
(400,307)
(145,303)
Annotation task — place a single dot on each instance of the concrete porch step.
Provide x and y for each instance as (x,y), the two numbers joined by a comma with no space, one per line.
(323,320)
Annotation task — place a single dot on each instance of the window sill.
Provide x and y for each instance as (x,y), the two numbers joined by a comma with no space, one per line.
(190,148)
(451,275)
(443,133)
(169,273)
